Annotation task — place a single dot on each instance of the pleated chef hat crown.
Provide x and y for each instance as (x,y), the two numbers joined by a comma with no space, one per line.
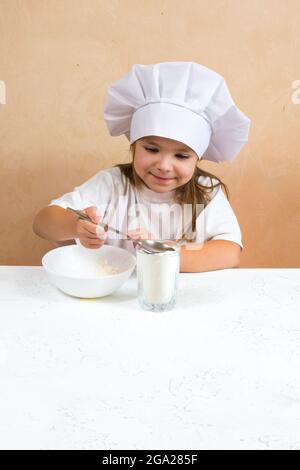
(184,101)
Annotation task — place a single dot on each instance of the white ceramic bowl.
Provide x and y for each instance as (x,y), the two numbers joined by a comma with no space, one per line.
(73,269)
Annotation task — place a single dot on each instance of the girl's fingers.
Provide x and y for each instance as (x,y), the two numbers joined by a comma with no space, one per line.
(88,236)
(135,237)
(135,233)
(89,228)
(140,233)
(91,243)
(101,233)
(91,247)
(96,239)
(94,242)
(93,213)
(151,236)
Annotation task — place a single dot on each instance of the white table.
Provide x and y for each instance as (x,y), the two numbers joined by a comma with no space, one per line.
(221,371)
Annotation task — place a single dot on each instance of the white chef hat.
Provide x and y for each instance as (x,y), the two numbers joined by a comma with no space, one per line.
(184,101)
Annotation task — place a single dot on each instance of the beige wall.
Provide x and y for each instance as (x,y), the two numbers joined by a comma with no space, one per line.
(58,56)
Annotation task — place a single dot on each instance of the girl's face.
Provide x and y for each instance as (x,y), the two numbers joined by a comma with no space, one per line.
(163,164)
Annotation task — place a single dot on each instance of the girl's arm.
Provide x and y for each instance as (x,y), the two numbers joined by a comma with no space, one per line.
(212,255)
(55,224)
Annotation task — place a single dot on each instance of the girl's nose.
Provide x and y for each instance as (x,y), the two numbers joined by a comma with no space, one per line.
(164,165)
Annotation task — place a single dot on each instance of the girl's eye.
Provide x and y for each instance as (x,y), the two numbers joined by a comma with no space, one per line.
(181,157)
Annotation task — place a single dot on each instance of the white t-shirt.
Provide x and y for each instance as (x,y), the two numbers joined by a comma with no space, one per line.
(125,208)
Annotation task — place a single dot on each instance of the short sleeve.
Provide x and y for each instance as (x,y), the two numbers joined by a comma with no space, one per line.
(96,191)
(218,221)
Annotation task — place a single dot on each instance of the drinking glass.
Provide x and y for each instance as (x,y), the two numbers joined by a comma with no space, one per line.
(157,275)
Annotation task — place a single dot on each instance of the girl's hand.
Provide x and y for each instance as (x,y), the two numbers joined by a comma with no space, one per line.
(141,234)
(90,234)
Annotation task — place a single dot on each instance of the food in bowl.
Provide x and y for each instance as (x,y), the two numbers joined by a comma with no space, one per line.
(105,269)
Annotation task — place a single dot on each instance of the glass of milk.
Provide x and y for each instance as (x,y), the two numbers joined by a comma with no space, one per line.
(157,275)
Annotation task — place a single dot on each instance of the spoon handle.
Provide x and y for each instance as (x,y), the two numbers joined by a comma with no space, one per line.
(84,216)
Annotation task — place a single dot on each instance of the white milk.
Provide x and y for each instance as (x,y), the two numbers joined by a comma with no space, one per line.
(158,275)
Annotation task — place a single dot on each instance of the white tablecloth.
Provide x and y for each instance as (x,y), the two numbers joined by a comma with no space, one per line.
(220,371)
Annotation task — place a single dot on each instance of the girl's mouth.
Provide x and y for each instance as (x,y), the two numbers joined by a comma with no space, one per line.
(162,179)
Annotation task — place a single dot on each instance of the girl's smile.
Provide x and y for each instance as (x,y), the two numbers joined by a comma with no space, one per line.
(162,180)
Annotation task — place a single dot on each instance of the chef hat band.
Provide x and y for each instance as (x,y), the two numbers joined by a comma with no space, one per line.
(183,101)
(166,120)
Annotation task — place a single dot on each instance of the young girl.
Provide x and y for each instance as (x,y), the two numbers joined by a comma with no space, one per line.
(173,114)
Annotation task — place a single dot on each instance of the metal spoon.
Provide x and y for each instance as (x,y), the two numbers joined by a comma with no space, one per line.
(150,246)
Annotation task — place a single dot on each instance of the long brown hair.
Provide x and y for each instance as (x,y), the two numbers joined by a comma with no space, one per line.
(191,192)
